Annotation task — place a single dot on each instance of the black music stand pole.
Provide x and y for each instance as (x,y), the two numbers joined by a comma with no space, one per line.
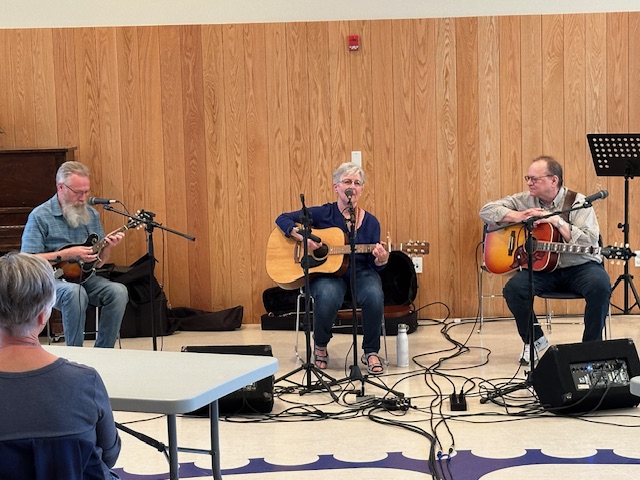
(626,278)
(618,155)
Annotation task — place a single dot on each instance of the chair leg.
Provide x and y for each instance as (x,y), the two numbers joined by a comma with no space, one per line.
(51,336)
(384,339)
(549,313)
(480,300)
(607,325)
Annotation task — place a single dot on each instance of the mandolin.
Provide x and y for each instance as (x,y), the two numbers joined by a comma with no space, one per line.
(77,271)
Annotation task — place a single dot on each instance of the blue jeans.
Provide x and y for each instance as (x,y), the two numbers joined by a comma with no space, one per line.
(589,280)
(329,294)
(73,299)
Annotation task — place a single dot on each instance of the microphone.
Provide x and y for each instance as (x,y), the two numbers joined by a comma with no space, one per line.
(349,193)
(100,201)
(596,196)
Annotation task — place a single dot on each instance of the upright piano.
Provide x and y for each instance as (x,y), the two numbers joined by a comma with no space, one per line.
(27,179)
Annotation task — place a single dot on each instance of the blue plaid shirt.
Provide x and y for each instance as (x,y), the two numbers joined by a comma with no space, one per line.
(47,230)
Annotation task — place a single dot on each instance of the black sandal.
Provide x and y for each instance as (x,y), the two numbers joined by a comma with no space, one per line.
(321,361)
(375,368)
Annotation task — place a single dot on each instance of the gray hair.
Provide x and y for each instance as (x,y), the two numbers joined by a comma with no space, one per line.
(69,168)
(27,288)
(348,168)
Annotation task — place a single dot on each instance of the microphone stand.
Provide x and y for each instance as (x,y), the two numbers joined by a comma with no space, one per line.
(530,252)
(355,374)
(308,366)
(146,218)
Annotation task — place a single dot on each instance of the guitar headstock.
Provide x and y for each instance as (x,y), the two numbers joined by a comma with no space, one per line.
(415,248)
(618,253)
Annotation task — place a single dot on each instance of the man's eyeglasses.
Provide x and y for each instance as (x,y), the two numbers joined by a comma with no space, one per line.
(528,179)
(348,182)
(78,192)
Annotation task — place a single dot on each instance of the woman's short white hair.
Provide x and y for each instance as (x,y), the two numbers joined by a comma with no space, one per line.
(27,288)
(348,168)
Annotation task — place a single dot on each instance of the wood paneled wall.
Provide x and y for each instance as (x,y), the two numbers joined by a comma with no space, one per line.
(218,128)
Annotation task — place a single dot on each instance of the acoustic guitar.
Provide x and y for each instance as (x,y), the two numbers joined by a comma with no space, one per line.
(505,250)
(285,256)
(77,271)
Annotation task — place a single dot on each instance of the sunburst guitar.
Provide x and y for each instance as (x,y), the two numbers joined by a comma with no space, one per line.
(505,249)
(285,256)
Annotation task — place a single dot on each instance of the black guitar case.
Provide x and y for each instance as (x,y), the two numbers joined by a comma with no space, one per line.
(399,284)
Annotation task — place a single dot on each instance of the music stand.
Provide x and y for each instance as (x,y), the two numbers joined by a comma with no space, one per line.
(618,155)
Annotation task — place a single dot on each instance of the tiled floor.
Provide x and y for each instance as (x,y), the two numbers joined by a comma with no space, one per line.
(312,436)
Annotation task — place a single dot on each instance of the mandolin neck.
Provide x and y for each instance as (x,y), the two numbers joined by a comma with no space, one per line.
(98,246)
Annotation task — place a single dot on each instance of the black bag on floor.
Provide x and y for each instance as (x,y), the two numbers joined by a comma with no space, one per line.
(137,318)
(194,320)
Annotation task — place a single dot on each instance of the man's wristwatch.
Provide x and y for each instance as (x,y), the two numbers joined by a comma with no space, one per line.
(561,222)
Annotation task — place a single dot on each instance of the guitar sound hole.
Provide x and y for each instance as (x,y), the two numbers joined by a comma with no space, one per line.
(320,253)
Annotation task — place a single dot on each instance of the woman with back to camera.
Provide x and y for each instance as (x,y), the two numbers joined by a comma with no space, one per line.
(43,396)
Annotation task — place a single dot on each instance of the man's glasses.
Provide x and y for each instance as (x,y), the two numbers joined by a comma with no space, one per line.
(528,179)
(348,182)
(78,192)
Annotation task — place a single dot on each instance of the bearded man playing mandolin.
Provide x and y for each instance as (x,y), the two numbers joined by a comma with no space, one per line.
(580,271)
(65,231)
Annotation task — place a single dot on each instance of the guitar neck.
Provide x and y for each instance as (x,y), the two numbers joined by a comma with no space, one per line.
(558,247)
(410,248)
(98,246)
(345,249)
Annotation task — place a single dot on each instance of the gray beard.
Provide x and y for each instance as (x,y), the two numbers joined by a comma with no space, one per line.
(77,215)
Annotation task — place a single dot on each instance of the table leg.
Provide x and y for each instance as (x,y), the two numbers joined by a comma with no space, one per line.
(173,448)
(215,440)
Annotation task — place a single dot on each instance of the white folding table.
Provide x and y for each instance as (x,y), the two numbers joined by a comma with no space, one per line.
(171,383)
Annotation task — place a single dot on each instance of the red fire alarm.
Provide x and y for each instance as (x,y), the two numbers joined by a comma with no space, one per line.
(354,43)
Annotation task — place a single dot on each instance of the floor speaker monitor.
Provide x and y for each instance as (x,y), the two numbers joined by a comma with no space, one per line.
(587,376)
(254,398)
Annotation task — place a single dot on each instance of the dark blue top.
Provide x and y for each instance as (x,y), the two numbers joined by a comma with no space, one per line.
(327,216)
(63,399)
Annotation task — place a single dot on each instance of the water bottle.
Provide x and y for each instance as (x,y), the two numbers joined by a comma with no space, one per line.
(402,346)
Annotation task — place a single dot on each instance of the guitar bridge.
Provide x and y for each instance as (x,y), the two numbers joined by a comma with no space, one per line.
(512,243)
